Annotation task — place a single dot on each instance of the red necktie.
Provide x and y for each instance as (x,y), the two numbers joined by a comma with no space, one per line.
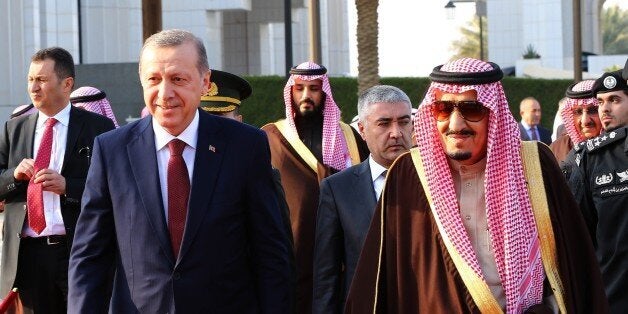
(178,193)
(34,196)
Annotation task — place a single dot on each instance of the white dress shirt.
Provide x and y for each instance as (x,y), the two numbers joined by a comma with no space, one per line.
(162,138)
(378,175)
(52,201)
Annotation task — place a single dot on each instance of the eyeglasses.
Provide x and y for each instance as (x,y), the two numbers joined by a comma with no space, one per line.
(589,110)
(470,110)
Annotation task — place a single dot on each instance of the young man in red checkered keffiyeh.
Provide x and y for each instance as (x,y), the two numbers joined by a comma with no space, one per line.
(457,231)
(310,144)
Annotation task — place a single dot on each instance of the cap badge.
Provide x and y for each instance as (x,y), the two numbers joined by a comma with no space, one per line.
(213,90)
(610,82)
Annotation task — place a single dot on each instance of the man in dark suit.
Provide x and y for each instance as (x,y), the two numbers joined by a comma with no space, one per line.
(348,198)
(530,127)
(182,202)
(44,159)
(224,98)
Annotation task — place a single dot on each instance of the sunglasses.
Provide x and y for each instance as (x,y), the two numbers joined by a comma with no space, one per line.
(470,110)
(591,111)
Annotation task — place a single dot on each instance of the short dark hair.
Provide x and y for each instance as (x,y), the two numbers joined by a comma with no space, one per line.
(64,63)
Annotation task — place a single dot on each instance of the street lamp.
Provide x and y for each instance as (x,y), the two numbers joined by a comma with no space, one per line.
(480,11)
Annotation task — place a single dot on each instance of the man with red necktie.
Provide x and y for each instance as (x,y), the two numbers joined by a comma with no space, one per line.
(181,202)
(43,165)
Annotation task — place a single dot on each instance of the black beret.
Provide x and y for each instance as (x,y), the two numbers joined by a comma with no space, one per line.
(610,82)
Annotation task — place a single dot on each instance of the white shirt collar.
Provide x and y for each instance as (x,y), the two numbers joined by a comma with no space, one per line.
(189,135)
(525,126)
(62,117)
(376,169)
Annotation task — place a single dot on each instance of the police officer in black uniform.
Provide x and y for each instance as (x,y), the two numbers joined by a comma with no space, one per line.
(600,185)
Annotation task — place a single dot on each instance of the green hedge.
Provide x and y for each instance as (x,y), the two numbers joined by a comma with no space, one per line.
(266,103)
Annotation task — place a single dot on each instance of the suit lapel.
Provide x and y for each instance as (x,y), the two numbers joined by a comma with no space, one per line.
(146,178)
(29,135)
(210,149)
(75,125)
(363,185)
(524,132)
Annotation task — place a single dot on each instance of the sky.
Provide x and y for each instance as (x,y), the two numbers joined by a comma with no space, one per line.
(415,36)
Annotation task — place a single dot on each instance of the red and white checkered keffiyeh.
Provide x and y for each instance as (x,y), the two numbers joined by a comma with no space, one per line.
(566,112)
(511,224)
(335,152)
(101,107)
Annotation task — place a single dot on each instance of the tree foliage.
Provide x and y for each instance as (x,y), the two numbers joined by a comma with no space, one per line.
(615,30)
(469,43)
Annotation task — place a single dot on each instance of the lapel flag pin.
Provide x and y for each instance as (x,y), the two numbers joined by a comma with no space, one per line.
(212,148)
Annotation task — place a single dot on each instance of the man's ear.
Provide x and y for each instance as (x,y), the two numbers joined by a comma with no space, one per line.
(68,84)
(206,81)
(361,129)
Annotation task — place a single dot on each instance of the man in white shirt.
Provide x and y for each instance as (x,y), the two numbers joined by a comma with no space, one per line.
(44,159)
(182,203)
(348,198)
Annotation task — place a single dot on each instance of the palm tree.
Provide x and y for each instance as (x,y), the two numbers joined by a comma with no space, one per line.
(367,33)
(469,43)
(614,30)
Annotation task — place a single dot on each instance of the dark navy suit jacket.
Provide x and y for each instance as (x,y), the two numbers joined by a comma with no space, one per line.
(235,256)
(545,135)
(346,206)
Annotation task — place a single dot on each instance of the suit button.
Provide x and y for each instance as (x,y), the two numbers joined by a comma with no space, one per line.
(176,276)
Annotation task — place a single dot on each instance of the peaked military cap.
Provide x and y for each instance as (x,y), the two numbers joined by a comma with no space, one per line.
(226,92)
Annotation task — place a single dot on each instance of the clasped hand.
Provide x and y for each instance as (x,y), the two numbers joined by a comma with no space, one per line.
(50,180)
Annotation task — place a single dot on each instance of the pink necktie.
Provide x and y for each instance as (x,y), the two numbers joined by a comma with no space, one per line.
(178,193)
(34,196)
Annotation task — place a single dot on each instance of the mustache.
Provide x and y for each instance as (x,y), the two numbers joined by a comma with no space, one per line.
(166,106)
(306,101)
(589,124)
(461,132)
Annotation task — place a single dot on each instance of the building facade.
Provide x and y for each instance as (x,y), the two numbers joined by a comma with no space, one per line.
(547,25)
(241,36)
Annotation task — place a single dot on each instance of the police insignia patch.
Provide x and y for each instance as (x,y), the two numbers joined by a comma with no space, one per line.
(623,176)
(610,82)
(604,179)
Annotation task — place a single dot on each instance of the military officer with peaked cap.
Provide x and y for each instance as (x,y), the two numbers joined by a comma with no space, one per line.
(225,95)
(224,98)
(600,184)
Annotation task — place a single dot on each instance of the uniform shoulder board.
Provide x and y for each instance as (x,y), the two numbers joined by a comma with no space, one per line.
(580,146)
(604,139)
